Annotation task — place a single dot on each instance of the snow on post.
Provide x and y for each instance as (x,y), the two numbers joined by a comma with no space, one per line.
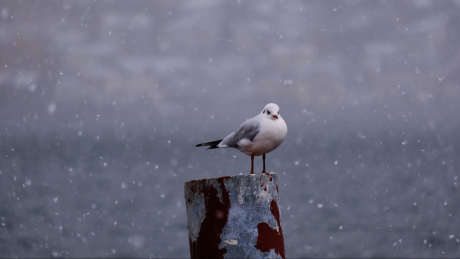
(234,217)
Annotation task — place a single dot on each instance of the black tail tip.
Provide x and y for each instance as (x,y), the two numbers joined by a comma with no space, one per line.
(210,144)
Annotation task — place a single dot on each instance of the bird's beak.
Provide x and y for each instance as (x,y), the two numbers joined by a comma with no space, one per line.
(274,116)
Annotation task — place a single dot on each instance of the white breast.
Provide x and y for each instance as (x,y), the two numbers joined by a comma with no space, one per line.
(271,135)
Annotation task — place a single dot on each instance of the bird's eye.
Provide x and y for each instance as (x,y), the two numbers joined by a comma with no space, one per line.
(268,112)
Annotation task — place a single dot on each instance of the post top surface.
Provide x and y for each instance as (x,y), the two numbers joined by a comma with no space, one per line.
(269,174)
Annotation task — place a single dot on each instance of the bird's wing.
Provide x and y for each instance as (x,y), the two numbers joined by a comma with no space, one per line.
(247,130)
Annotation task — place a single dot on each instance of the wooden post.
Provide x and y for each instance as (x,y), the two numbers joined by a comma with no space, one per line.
(234,217)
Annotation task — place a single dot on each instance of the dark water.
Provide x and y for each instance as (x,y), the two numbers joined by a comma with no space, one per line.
(346,197)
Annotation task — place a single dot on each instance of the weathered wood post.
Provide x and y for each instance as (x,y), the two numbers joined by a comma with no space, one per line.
(234,217)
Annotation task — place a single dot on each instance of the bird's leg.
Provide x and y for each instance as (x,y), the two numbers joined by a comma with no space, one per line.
(252,164)
(263,168)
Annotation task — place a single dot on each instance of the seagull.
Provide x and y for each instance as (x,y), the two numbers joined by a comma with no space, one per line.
(255,136)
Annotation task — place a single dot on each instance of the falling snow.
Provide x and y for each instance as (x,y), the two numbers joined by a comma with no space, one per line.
(51,108)
(103,102)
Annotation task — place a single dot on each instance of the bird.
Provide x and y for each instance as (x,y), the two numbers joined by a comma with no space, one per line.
(256,136)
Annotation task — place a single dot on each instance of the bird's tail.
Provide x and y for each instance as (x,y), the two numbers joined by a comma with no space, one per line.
(210,144)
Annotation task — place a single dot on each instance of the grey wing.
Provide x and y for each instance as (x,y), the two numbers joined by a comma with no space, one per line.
(248,130)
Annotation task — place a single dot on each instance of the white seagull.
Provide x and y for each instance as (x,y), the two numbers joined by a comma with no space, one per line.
(255,136)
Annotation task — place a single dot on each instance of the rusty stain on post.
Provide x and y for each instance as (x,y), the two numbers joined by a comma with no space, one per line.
(268,237)
(235,216)
(209,238)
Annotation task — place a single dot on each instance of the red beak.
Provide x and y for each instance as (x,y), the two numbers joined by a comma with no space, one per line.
(274,116)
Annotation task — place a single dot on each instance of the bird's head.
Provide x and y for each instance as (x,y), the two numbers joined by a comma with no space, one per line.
(271,110)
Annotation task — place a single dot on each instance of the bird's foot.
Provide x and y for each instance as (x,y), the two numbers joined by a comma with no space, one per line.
(265,172)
